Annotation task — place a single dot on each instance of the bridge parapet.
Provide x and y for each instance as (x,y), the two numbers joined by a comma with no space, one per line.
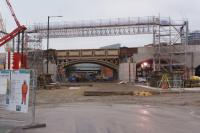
(88,53)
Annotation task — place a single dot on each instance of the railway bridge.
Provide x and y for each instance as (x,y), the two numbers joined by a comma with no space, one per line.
(110,58)
(59,59)
(106,57)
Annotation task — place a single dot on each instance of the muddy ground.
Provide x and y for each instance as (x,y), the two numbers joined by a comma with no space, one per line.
(67,94)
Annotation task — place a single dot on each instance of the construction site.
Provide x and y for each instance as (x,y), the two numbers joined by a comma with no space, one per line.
(163,74)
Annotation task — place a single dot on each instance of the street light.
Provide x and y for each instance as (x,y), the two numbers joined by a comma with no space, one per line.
(48,40)
(145,68)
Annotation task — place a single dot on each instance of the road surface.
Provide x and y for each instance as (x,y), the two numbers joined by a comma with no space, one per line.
(117,118)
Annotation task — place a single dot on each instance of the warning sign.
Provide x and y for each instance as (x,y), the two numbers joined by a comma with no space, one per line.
(19,95)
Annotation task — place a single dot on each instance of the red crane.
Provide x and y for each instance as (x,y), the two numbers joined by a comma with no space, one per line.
(15,32)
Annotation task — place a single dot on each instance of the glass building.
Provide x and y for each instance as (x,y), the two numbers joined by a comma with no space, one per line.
(194,38)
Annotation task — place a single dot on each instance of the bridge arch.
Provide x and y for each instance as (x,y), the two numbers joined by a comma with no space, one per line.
(99,62)
(105,63)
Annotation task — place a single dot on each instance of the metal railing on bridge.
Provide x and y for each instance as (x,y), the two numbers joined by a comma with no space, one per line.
(102,27)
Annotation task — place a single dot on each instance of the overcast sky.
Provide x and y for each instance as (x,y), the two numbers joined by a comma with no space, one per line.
(34,11)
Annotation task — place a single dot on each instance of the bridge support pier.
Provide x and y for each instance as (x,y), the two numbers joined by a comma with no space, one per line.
(115,74)
(127,72)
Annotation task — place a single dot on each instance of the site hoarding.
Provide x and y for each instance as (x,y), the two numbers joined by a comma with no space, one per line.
(4,79)
(15,87)
(4,86)
(20,84)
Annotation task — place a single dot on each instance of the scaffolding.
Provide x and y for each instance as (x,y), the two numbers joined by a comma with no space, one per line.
(101,27)
(35,54)
(2,29)
(170,42)
(2,26)
(169,36)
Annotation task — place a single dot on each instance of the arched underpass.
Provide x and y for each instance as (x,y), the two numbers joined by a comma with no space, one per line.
(197,71)
(91,70)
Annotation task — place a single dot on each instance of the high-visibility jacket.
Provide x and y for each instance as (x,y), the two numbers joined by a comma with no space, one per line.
(24,89)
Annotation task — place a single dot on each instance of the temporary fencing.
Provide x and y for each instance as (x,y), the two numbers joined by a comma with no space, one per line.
(17,98)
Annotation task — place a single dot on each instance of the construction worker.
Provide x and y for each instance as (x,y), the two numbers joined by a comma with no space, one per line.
(24,92)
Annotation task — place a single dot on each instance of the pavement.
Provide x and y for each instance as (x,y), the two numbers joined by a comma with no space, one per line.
(68,110)
(189,90)
(4,130)
(10,120)
(116,118)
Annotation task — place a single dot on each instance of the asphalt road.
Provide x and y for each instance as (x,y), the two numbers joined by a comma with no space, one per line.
(117,118)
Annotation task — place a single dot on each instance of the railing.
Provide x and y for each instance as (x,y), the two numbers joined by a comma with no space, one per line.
(115,22)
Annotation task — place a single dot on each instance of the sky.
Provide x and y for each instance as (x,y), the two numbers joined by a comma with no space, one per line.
(35,11)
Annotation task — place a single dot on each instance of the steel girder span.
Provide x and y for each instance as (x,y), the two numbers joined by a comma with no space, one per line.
(107,27)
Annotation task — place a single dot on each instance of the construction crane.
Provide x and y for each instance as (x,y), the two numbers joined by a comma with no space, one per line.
(20,28)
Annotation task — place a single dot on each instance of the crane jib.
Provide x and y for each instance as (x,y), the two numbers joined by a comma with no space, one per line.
(11,35)
(15,32)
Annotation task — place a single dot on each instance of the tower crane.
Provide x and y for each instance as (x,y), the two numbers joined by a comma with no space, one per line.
(20,28)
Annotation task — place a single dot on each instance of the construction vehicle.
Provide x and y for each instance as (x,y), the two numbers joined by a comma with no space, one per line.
(194,81)
(196,78)
(7,37)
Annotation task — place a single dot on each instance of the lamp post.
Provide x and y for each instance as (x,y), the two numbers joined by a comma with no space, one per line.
(48,40)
